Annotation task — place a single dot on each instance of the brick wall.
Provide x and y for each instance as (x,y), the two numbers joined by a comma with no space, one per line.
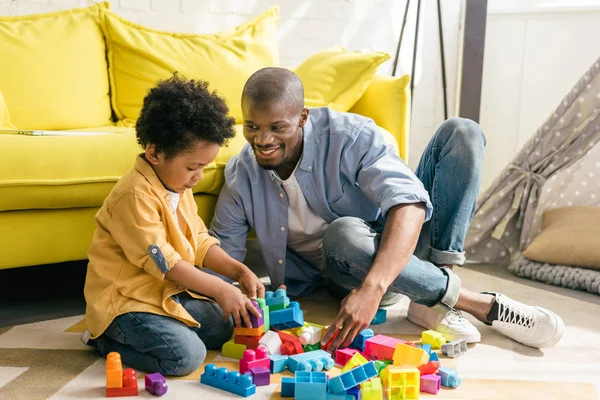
(307,26)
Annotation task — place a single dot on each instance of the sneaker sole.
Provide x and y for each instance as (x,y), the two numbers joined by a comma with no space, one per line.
(387,301)
(560,329)
(470,338)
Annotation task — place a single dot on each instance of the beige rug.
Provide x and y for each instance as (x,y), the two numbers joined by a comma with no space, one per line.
(46,360)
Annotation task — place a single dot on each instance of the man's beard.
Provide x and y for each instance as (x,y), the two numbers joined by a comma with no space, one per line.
(269,166)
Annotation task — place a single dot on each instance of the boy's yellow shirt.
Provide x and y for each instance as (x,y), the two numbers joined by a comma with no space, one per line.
(135,227)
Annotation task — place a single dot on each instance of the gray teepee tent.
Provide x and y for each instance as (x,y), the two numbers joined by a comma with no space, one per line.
(559,166)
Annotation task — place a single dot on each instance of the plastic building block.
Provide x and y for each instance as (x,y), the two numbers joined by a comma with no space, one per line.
(343,355)
(311,385)
(328,344)
(261,376)
(114,370)
(401,382)
(265,312)
(356,376)
(278,363)
(449,377)
(381,364)
(339,396)
(311,347)
(249,331)
(433,338)
(361,338)
(312,361)
(310,335)
(380,317)
(371,389)
(425,347)
(455,348)
(434,357)
(355,392)
(254,359)
(407,355)
(231,382)
(430,383)
(278,300)
(288,386)
(354,361)
(271,341)
(233,350)
(291,344)
(254,320)
(251,342)
(381,347)
(429,368)
(156,384)
(290,317)
(129,388)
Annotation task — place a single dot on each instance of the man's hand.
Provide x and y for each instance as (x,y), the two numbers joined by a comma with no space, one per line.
(356,313)
(251,285)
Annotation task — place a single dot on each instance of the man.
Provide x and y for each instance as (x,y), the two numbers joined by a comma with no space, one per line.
(332,204)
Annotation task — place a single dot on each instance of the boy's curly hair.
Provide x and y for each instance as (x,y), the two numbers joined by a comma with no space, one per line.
(178,112)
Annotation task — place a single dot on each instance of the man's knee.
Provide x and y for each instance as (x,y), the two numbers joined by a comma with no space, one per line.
(467,132)
(340,231)
(347,238)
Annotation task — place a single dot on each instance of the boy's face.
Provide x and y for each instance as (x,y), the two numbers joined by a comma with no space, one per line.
(185,169)
(274,130)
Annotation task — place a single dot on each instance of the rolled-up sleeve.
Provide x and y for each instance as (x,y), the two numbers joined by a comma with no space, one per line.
(381,174)
(136,226)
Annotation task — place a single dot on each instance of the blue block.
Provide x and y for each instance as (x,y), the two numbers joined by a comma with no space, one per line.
(449,377)
(277,300)
(426,347)
(360,339)
(278,363)
(315,360)
(311,385)
(339,396)
(433,357)
(231,382)
(287,386)
(291,317)
(355,392)
(380,317)
(354,377)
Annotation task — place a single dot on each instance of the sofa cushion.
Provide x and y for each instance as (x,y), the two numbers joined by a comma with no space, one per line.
(337,78)
(41,172)
(53,72)
(138,57)
(5,122)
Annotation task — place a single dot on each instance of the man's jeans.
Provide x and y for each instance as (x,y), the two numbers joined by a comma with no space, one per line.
(450,169)
(156,343)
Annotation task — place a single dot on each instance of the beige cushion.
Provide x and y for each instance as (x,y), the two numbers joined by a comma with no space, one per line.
(570,236)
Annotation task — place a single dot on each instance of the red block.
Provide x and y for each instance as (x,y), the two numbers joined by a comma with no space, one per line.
(130,385)
(254,359)
(250,342)
(429,368)
(326,346)
(382,347)
(291,344)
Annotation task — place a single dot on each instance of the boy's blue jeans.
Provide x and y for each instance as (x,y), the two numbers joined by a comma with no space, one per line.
(156,343)
(450,169)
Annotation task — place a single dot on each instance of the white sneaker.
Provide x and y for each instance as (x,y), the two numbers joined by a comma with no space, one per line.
(451,325)
(531,326)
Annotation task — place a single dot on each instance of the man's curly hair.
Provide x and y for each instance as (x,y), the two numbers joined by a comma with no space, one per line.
(178,112)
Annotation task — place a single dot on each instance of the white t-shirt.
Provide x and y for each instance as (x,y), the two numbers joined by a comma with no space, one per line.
(174,202)
(305,227)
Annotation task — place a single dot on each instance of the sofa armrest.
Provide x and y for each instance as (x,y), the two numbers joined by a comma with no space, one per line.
(387,102)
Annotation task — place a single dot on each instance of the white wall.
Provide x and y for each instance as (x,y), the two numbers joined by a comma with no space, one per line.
(535,51)
(307,26)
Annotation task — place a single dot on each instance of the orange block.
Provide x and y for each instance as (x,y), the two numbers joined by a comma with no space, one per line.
(114,371)
(130,385)
(249,331)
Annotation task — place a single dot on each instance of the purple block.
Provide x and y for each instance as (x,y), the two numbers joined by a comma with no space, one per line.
(256,322)
(261,376)
(430,383)
(156,384)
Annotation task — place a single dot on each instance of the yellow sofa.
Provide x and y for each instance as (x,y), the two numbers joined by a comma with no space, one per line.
(96,69)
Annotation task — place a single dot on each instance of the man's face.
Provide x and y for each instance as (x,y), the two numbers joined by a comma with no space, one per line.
(274,130)
(184,170)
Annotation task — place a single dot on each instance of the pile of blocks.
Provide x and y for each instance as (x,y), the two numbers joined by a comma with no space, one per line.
(123,383)
(373,365)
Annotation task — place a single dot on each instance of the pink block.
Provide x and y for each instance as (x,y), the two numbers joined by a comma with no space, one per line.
(381,347)
(343,355)
(254,359)
(430,383)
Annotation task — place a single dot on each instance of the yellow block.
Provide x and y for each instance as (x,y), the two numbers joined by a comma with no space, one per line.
(371,389)
(233,350)
(401,382)
(354,361)
(408,355)
(433,338)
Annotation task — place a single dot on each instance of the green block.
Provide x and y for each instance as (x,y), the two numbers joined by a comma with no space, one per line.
(276,307)
(311,347)
(381,364)
(265,310)
(233,350)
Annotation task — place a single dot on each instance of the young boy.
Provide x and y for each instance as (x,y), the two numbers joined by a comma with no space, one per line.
(145,298)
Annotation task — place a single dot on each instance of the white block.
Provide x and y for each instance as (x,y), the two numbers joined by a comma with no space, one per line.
(310,335)
(272,342)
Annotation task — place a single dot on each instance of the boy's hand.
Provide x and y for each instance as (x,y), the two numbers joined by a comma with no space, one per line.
(233,301)
(251,285)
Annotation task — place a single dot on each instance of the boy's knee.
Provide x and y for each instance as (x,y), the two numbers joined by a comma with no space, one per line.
(188,356)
